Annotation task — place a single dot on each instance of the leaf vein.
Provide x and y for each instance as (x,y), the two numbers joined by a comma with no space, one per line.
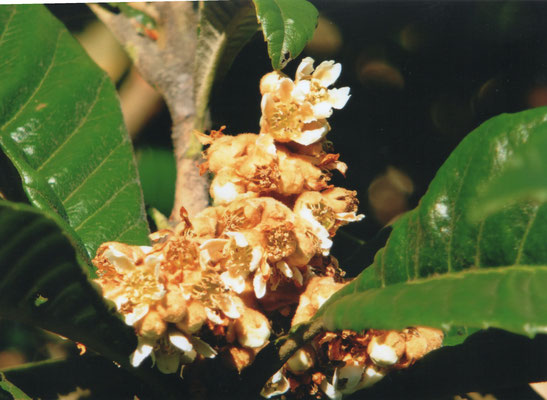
(77,128)
(39,86)
(126,229)
(105,204)
(7,25)
(525,235)
(93,172)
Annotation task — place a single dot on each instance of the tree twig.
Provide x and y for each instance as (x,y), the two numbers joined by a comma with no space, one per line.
(168,64)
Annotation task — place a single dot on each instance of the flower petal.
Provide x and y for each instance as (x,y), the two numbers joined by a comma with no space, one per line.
(305,68)
(352,375)
(167,363)
(259,285)
(119,260)
(339,97)
(225,193)
(284,268)
(311,136)
(330,391)
(236,283)
(370,377)
(322,110)
(180,341)
(138,312)
(286,87)
(298,276)
(256,256)
(239,238)
(275,386)
(203,348)
(349,216)
(327,73)
(301,90)
(211,251)
(144,348)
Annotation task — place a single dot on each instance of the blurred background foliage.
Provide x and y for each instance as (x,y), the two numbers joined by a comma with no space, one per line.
(422,76)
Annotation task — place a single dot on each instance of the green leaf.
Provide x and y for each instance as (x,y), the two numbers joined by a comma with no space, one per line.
(524,178)
(439,269)
(512,298)
(9,391)
(38,262)
(62,128)
(224,28)
(287,26)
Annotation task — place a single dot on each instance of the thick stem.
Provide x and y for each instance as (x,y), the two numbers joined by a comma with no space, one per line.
(168,64)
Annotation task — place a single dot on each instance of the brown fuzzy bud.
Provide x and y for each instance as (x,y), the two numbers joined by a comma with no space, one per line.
(226,151)
(151,326)
(238,357)
(226,186)
(194,319)
(317,291)
(173,306)
(252,329)
(298,174)
(421,340)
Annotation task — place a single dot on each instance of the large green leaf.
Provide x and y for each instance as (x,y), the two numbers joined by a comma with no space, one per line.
(525,178)
(439,269)
(62,128)
(224,28)
(287,25)
(43,283)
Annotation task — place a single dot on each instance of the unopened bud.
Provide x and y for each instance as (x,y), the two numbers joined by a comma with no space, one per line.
(151,326)
(252,329)
(301,361)
(194,319)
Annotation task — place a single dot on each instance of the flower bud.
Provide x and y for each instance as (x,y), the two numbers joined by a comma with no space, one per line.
(238,357)
(151,326)
(301,361)
(194,319)
(252,329)
(173,306)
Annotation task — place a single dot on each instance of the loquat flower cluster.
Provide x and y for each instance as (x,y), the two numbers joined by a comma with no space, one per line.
(260,252)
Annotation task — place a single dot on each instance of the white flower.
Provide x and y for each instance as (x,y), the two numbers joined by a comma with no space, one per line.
(129,276)
(171,350)
(298,111)
(318,229)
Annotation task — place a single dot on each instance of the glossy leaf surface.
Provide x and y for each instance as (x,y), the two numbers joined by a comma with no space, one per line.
(224,28)
(524,178)
(43,283)
(287,26)
(62,128)
(440,269)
